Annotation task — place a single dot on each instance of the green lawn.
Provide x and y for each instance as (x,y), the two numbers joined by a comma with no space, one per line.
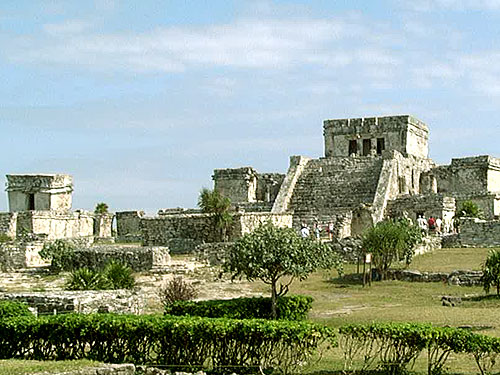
(338,302)
(19,367)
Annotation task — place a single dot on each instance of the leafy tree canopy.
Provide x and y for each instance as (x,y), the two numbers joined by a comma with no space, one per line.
(391,240)
(270,253)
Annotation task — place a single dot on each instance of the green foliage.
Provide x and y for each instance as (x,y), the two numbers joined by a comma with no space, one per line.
(270,253)
(58,252)
(4,238)
(87,279)
(119,275)
(394,347)
(390,241)
(114,276)
(177,290)
(193,343)
(469,209)
(101,208)
(288,307)
(9,309)
(213,203)
(491,271)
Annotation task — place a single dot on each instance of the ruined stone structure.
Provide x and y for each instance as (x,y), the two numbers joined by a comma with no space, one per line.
(372,168)
(40,210)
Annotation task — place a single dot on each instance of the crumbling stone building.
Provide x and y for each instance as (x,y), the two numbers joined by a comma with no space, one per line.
(40,210)
(372,168)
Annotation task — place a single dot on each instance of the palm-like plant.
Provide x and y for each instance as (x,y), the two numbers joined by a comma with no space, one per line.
(218,206)
(491,271)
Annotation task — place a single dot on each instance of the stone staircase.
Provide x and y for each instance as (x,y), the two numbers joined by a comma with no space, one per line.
(330,186)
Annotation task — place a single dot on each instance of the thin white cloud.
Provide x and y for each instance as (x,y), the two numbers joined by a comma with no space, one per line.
(249,43)
(453,5)
(67,27)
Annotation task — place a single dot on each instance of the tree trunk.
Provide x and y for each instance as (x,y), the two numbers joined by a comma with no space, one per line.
(273,300)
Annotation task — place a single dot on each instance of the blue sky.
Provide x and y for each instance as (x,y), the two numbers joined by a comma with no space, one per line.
(141,100)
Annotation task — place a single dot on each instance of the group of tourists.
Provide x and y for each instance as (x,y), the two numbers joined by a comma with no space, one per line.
(435,225)
(305,231)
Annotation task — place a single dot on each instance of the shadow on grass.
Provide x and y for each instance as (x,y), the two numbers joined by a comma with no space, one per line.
(488,297)
(346,280)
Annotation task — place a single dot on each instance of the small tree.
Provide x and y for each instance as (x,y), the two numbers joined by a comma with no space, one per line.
(217,206)
(491,271)
(469,209)
(270,253)
(59,253)
(391,240)
(101,208)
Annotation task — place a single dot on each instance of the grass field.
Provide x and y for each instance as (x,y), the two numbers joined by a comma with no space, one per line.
(18,367)
(338,302)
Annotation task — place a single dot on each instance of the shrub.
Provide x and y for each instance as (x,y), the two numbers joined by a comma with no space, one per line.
(4,238)
(193,343)
(389,241)
(87,279)
(177,289)
(289,307)
(393,347)
(491,272)
(119,275)
(59,253)
(10,309)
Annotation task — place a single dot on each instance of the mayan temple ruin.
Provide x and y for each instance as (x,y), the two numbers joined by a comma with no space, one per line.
(372,168)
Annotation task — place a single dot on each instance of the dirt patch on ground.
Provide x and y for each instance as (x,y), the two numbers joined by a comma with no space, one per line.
(209,282)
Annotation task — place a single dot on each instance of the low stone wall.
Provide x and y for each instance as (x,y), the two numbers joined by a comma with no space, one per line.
(182,233)
(457,277)
(428,244)
(104,369)
(12,256)
(479,233)
(87,302)
(248,222)
(128,226)
(138,258)
(212,253)
(8,221)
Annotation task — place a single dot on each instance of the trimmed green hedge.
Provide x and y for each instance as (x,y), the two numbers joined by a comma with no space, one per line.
(394,347)
(289,308)
(10,309)
(193,342)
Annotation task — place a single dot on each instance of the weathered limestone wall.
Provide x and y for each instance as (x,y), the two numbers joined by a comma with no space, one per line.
(372,135)
(248,222)
(139,258)
(487,203)
(12,256)
(87,302)
(436,205)
(479,233)
(245,185)
(128,226)
(8,223)
(183,232)
(329,187)
(39,192)
(103,224)
(237,184)
(54,225)
(295,170)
